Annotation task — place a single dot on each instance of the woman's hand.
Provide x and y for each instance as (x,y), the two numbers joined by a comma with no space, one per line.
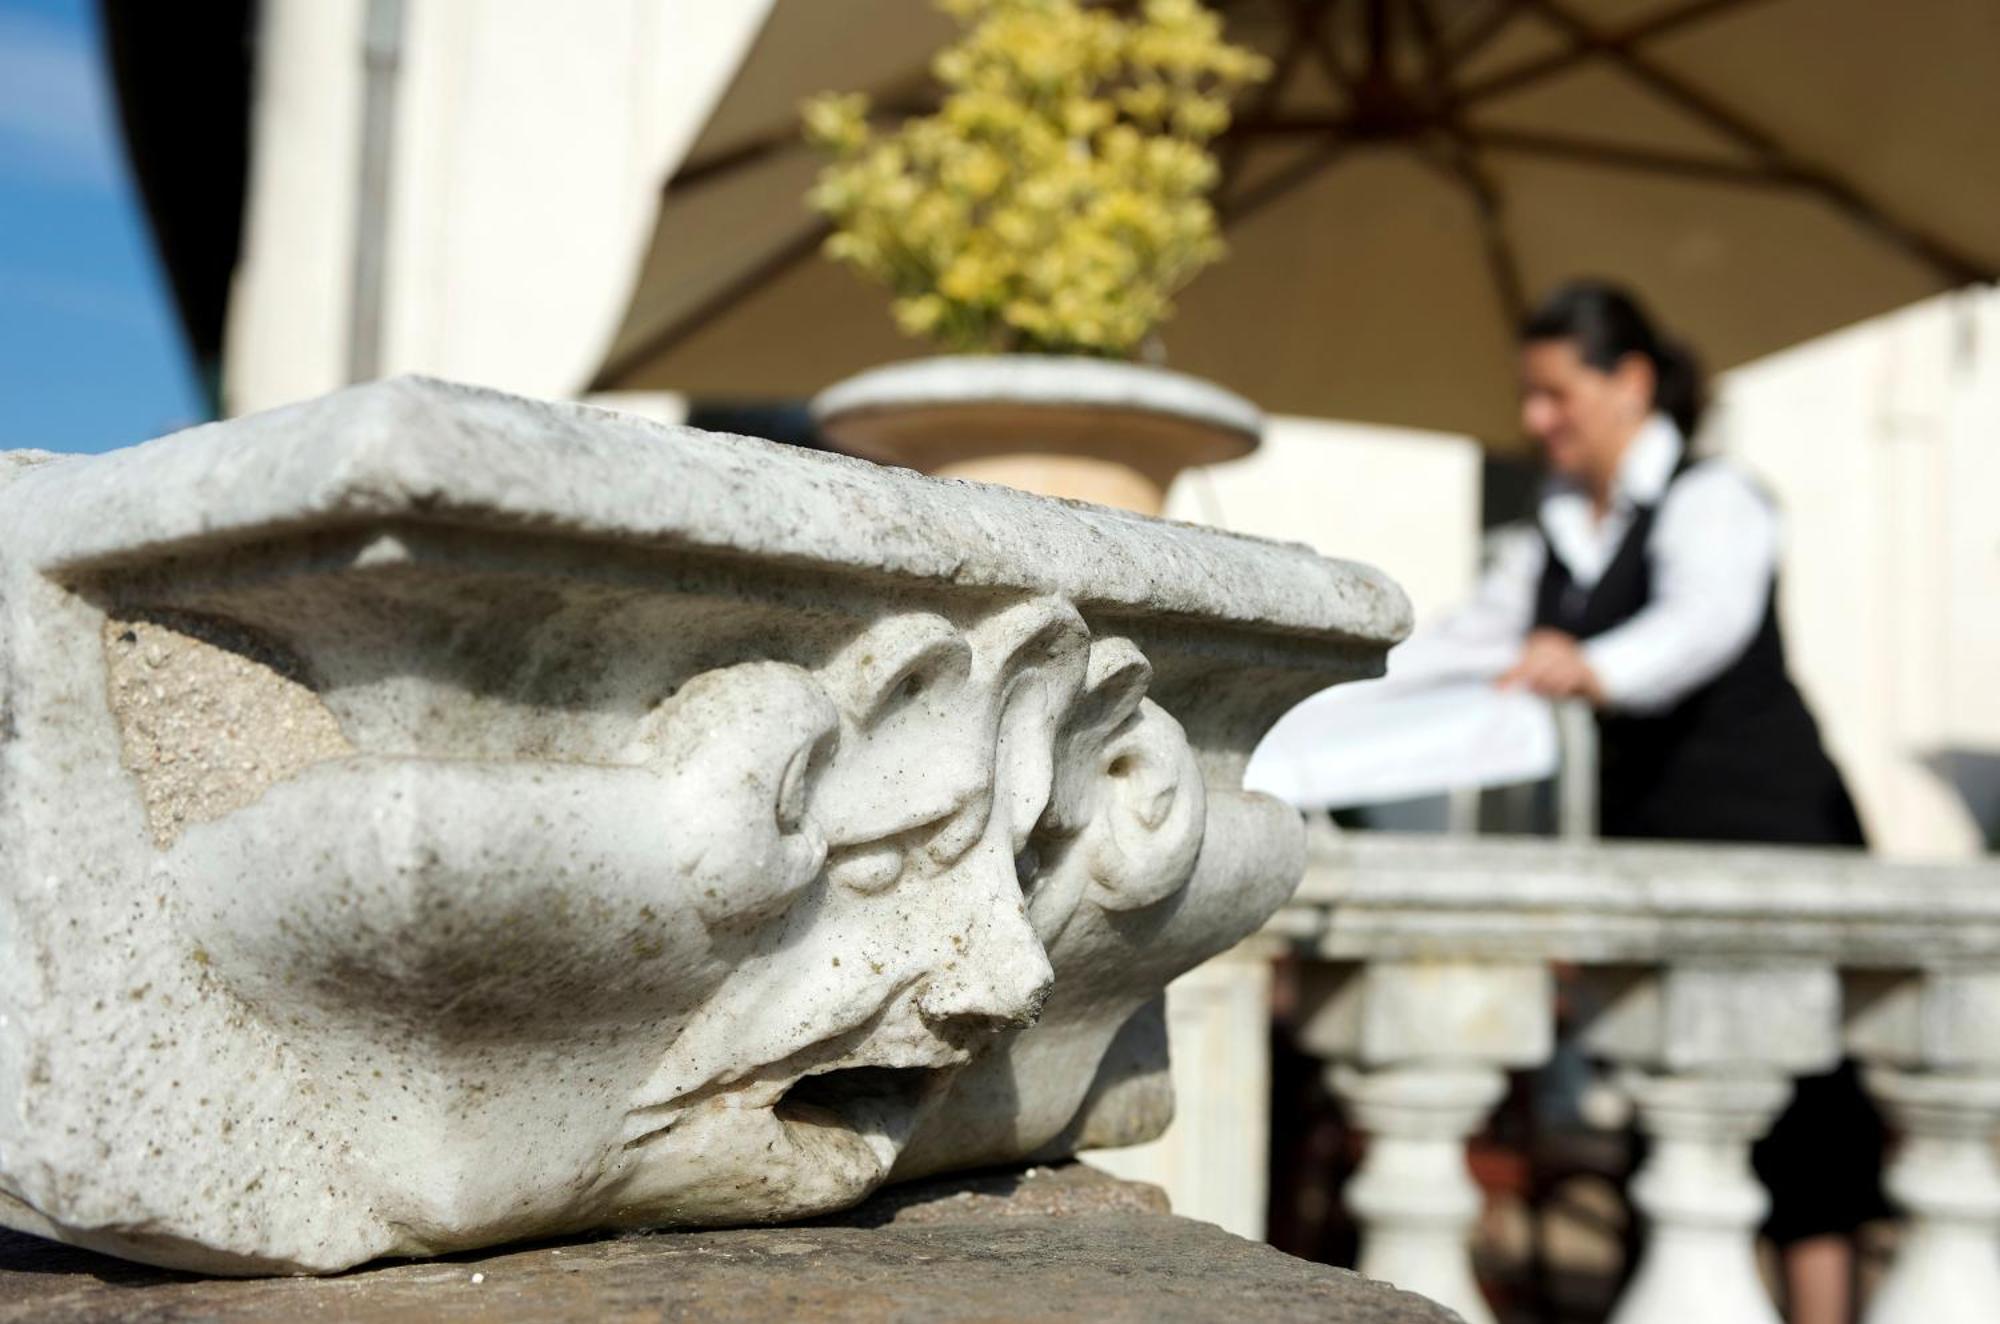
(1552,664)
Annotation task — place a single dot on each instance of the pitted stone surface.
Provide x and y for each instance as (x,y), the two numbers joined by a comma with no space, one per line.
(431,819)
(1060,1247)
(209,724)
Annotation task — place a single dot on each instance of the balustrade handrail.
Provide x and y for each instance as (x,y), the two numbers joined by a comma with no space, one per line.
(1402,896)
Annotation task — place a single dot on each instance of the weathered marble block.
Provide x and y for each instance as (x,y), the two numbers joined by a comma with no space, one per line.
(430,818)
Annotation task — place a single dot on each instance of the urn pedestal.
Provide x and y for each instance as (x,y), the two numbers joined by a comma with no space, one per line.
(1093,430)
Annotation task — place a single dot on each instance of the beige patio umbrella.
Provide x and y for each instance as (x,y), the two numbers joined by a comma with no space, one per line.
(1761,170)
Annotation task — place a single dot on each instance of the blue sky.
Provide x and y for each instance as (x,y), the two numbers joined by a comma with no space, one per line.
(91,355)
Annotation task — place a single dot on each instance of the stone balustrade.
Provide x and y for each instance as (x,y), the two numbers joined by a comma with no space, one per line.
(1715,976)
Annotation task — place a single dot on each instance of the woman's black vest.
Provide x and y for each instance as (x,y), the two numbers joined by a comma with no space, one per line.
(1739,759)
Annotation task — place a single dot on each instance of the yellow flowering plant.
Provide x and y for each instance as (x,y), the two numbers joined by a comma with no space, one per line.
(1058,198)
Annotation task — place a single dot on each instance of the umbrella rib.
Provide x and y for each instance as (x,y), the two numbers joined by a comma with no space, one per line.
(723,164)
(1630,157)
(1309,32)
(1461,166)
(1463,159)
(1959,267)
(1234,211)
(1307,16)
(617,372)
(1498,16)
(1437,60)
(1501,259)
(1329,60)
(727,163)
(1588,42)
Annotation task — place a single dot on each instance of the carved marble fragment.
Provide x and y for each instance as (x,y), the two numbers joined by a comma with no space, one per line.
(430,818)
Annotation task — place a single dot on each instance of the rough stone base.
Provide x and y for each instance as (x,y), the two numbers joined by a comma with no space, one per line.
(1046,1244)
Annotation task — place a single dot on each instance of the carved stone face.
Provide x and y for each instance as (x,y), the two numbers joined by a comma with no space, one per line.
(771,936)
(812,1067)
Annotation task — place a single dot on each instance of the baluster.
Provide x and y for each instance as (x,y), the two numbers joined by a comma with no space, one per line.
(1426,1046)
(1414,1195)
(1701,1202)
(1944,1176)
(1710,1050)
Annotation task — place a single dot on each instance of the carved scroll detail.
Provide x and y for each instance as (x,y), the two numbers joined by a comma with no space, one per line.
(806,898)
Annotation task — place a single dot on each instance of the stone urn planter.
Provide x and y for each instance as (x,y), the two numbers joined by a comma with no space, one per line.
(1096,430)
(472,820)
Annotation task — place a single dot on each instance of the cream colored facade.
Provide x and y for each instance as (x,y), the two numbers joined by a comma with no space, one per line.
(1387,496)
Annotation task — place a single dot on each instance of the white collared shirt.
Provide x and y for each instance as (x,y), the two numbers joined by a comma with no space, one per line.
(1714,549)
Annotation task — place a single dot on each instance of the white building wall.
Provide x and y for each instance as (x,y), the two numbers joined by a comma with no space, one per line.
(1402,500)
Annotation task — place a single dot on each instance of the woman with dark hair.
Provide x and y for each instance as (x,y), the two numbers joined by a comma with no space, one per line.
(1647,588)
(1655,594)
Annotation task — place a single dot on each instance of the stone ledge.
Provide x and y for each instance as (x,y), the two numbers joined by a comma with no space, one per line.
(1047,1244)
(438,454)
